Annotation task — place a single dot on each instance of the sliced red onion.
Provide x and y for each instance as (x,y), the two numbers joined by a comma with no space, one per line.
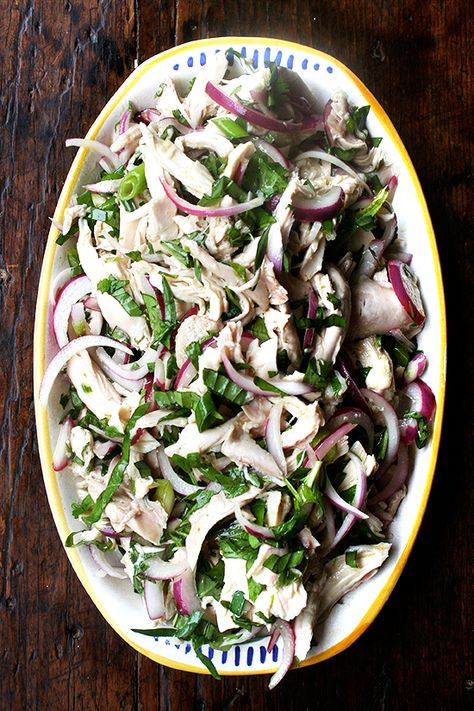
(273,437)
(187,371)
(319,207)
(109,531)
(95,147)
(359,499)
(154,600)
(356,417)
(167,471)
(312,458)
(70,294)
(404,285)
(328,158)
(325,446)
(60,455)
(125,121)
(422,399)
(391,422)
(287,653)
(186,375)
(312,310)
(339,502)
(274,637)
(185,595)
(148,116)
(356,394)
(91,303)
(201,211)
(165,121)
(408,430)
(58,283)
(253,528)
(116,373)
(272,152)
(165,570)
(415,368)
(254,117)
(104,566)
(398,478)
(102,449)
(289,387)
(73,348)
(240,171)
(104,186)
(275,247)
(101,433)
(243,381)
(272,203)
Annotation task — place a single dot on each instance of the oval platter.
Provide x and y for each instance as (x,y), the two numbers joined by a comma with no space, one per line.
(114,598)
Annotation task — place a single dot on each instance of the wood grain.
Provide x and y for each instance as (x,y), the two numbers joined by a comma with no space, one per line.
(60,61)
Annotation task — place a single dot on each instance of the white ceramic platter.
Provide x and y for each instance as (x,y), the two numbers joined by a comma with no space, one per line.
(114,598)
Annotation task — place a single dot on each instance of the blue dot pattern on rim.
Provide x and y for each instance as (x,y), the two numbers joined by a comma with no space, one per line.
(258,58)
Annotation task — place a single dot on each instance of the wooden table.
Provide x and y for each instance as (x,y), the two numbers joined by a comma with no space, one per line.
(60,61)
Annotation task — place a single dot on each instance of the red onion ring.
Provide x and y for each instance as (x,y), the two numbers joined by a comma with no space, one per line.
(403,283)
(95,147)
(124,121)
(398,478)
(272,152)
(70,294)
(332,439)
(359,498)
(60,455)
(154,600)
(167,471)
(253,528)
(319,207)
(312,310)
(184,593)
(273,437)
(165,570)
(356,417)
(254,117)
(287,653)
(201,211)
(391,422)
(415,368)
(104,566)
(73,348)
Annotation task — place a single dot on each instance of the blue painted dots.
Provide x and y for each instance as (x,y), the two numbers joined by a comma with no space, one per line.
(237,656)
(329,70)
(176,67)
(190,61)
(289,61)
(316,66)
(249,656)
(304,64)
(255,59)
(263,654)
(202,59)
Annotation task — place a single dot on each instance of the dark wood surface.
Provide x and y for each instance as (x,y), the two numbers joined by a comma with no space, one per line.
(59,62)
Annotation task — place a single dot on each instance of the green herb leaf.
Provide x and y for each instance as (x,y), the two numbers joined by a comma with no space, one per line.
(230,128)
(116,288)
